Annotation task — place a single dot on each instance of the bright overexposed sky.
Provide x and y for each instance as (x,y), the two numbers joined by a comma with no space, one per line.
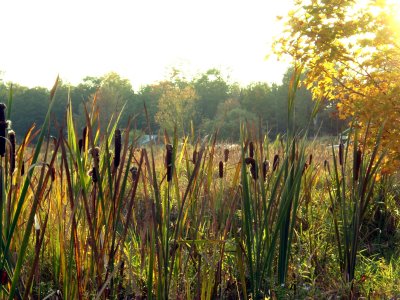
(139,39)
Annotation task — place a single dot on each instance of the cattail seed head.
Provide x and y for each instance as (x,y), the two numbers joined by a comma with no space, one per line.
(357,164)
(134,172)
(53,174)
(3,127)
(221,169)
(92,173)
(341,149)
(84,134)
(276,162)
(117,147)
(11,137)
(168,161)
(23,168)
(253,167)
(226,155)
(3,277)
(310,159)
(251,150)
(194,157)
(265,169)
(95,152)
(80,145)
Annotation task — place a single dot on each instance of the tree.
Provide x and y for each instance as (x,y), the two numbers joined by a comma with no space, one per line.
(350,51)
(112,92)
(176,107)
(212,90)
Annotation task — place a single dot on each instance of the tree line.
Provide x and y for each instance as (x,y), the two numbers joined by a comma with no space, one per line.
(203,104)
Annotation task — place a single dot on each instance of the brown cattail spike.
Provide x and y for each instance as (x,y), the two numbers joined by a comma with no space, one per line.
(357,164)
(221,169)
(92,173)
(341,149)
(3,127)
(3,277)
(194,157)
(276,162)
(84,134)
(11,137)
(117,148)
(226,155)
(265,169)
(310,159)
(95,152)
(251,150)
(53,174)
(134,172)
(253,167)
(80,145)
(168,161)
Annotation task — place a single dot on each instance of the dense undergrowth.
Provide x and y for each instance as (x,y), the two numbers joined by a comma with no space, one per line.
(94,215)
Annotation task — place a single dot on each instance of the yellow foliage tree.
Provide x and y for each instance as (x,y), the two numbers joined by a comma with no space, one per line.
(176,107)
(351,52)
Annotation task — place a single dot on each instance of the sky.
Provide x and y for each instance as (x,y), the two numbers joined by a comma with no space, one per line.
(140,40)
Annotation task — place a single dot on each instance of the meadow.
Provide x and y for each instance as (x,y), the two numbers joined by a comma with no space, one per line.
(95,215)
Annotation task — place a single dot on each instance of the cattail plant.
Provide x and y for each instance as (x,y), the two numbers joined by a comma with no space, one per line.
(221,169)
(253,167)
(265,169)
(168,161)
(92,174)
(53,174)
(341,149)
(117,148)
(194,156)
(226,155)
(84,134)
(251,150)
(11,137)
(80,145)
(357,164)
(134,172)
(3,277)
(3,127)
(95,152)
(275,163)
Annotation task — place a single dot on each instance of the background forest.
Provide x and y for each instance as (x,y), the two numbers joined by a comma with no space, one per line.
(207,102)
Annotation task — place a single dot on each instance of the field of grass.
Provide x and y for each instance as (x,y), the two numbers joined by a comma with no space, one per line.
(91,215)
